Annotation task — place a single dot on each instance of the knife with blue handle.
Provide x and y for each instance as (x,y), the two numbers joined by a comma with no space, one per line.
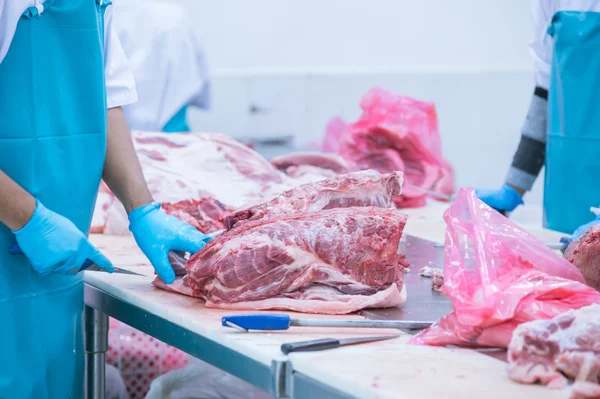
(270,322)
(88,265)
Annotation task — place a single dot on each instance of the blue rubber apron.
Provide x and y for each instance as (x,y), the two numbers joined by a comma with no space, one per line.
(572,181)
(52,142)
(178,123)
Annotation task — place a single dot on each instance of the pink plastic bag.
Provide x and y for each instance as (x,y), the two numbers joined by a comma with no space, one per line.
(398,133)
(497,276)
(333,134)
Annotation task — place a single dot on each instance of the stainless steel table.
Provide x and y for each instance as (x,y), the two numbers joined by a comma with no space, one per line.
(279,378)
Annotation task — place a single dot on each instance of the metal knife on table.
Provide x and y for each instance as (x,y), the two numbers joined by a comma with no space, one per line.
(88,265)
(329,343)
(270,322)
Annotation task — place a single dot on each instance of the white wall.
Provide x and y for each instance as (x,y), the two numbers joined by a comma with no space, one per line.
(303,62)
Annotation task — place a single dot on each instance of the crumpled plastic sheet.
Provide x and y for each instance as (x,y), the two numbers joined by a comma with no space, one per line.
(395,133)
(201,380)
(498,276)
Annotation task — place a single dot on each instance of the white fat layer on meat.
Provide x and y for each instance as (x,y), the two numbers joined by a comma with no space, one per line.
(351,303)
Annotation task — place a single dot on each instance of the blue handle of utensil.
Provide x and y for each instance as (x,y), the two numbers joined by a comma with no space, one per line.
(566,241)
(259,321)
(14,249)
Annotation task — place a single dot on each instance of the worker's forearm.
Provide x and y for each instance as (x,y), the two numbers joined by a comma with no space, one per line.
(122,170)
(531,153)
(16,204)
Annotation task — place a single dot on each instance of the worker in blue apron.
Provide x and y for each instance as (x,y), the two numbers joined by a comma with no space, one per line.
(57,140)
(168,63)
(562,129)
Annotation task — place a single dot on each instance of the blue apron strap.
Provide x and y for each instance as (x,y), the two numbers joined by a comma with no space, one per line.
(104,3)
(178,123)
(37,9)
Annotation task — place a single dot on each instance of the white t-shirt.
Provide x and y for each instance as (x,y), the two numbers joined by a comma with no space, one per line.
(120,84)
(541,46)
(167,60)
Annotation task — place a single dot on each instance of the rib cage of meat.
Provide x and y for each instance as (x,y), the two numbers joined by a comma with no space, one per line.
(548,350)
(331,261)
(365,188)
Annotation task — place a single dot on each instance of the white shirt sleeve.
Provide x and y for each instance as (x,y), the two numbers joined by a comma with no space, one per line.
(120,83)
(541,46)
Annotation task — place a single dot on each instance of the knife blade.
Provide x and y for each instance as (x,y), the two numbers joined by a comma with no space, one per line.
(88,265)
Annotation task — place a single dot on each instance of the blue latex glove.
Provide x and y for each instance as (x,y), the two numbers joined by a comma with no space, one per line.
(504,199)
(53,244)
(157,233)
(582,229)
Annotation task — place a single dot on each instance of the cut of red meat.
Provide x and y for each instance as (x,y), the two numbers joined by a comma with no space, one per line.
(331,261)
(584,253)
(436,275)
(546,351)
(365,188)
(207,215)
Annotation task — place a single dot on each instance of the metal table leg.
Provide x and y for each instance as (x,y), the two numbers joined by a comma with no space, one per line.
(96,345)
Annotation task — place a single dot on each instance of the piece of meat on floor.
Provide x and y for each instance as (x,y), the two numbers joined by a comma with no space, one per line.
(365,188)
(207,215)
(584,253)
(546,351)
(333,261)
(436,276)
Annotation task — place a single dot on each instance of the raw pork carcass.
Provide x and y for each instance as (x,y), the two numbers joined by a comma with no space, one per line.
(333,261)
(207,215)
(182,166)
(498,276)
(365,188)
(397,133)
(585,254)
(293,164)
(546,351)
(310,167)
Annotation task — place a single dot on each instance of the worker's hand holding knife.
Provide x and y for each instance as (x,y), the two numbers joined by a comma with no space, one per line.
(157,233)
(53,244)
